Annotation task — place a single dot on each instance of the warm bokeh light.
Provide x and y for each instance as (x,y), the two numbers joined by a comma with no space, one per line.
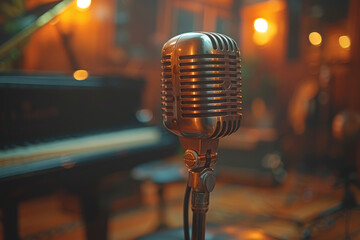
(261,25)
(261,38)
(83,4)
(344,41)
(80,75)
(337,126)
(299,104)
(315,38)
(264,31)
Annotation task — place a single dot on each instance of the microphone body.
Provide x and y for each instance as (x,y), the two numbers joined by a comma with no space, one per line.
(201,89)
(201,102)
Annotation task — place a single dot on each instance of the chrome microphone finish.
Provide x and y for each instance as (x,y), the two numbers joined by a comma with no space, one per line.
(201,85)
(201,102)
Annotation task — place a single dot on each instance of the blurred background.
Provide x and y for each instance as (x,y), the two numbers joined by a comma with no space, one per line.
(290,172)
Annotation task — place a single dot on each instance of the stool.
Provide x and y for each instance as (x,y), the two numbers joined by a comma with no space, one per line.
(160,172)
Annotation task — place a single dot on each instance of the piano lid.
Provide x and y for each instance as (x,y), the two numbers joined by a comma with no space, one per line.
(14,32)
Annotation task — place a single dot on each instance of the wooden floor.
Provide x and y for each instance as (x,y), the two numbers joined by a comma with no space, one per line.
(283,212)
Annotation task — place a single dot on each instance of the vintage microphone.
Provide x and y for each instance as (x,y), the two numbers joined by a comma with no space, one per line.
(201,102)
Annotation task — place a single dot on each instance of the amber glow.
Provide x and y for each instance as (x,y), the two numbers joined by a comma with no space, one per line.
(258,107)
(337,125)
(344,41)
(80,75)
(299,104)
(264,31)
(253,235)
(315,38)
(249,234)
(261,38)
(261,25)
(83,4)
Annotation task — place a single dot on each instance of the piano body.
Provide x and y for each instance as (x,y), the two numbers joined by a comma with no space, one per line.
(60,133)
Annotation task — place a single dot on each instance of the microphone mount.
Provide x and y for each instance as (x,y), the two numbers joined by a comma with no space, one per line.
(201,180)
(199,152)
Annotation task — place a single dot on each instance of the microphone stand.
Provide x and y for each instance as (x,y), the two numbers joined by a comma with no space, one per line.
(201,181)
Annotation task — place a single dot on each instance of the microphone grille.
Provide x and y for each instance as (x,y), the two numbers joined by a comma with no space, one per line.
(210,84)
(201,79)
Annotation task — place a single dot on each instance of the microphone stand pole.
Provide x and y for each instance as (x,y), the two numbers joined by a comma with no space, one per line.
(202,182)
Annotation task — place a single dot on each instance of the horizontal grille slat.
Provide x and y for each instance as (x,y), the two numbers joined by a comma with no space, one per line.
(209,114)
(202,82)
(202,56)
(182,64)
(205,108)
(208,75)
(208,105)
(210,89)
(203,102)
(204,96)
(203,69)
(212,58)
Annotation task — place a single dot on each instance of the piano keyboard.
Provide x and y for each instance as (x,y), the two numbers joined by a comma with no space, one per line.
(113,141)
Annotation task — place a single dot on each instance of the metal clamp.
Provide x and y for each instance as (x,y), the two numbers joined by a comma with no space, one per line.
(202,183)
(194,161)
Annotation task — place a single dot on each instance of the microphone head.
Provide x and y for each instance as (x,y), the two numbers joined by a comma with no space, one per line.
(201,85)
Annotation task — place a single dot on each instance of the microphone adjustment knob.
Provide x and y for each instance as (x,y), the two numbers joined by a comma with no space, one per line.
(191,159)
(209,180)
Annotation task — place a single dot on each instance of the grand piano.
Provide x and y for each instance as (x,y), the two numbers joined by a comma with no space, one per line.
(58,133)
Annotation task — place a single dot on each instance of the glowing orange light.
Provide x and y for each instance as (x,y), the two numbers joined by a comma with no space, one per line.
(315,38)
(261,38)
(80,75)
(344,41)
(254,235)
(264,31)
(337,125)
(261,25)
(83,4)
